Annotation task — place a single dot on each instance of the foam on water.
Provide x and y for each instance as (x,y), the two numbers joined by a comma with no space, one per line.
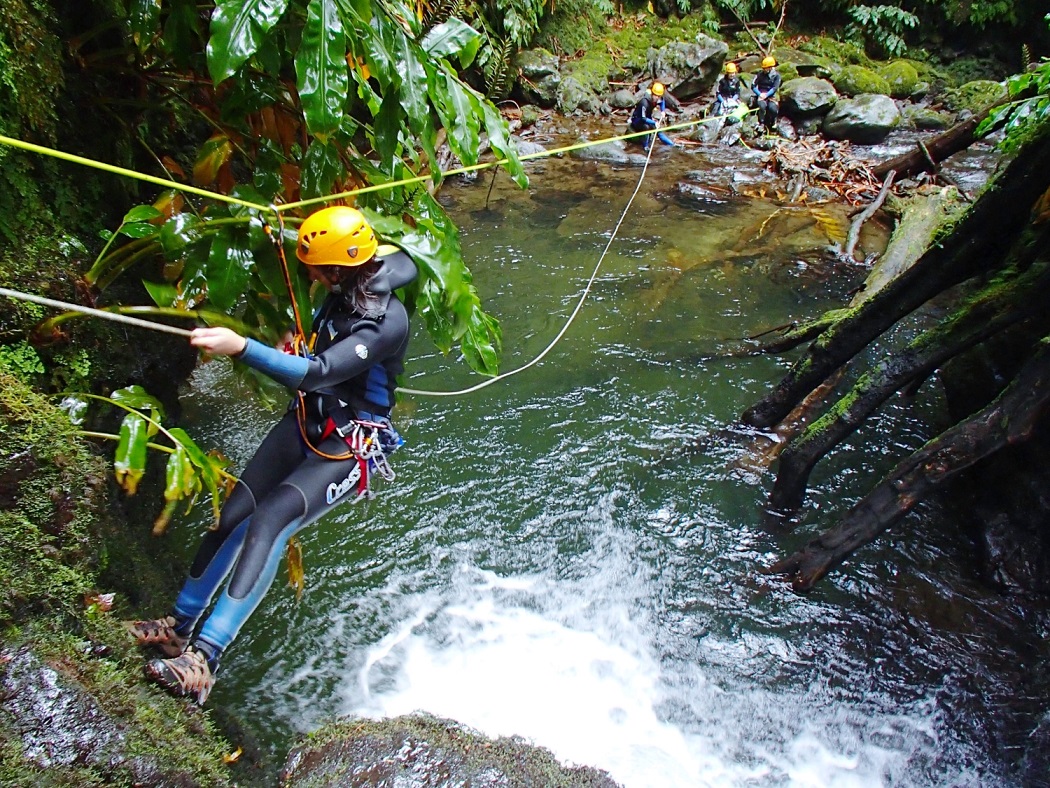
(530,656)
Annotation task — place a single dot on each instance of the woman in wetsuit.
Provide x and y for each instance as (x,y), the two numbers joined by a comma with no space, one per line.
(319,454)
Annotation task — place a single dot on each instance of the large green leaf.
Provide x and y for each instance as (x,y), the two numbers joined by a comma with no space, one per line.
(320,68)
(237,29)
(129,463)
(481,343)
(456,110)
(321,166)
(144,16)
(454,38)
(138,398)
(413,92)
(388,128)
(228,270)
(499,139)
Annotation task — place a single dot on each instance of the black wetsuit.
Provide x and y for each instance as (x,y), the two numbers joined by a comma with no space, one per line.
(727,90)
(767,82)
(286,485)
(642,118)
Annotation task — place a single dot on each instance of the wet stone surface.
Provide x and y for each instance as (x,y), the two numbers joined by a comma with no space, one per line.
(419,751)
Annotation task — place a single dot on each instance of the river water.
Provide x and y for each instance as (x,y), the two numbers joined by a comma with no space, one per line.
(572,555)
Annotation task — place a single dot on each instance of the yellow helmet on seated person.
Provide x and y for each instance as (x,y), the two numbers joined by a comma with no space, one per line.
(657,89)
(769,61)
(337,235)
(731,67)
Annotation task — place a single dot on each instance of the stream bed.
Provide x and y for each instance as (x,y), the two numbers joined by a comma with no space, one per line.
(573,554)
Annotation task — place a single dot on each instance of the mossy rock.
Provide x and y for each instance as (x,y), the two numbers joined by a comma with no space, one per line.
(858,80)
(69,674)
(418,750)
(902,78)
(836,51)
(974,96)
(926,119)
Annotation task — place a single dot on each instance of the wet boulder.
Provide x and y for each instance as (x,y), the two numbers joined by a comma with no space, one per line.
(621,99)
(807,97)
(866,120)
(901,77)
(857,80)
(612,152)
(539,79)
(62,729)
(419,750)
(916,116)
(691,69)
(574,96)
(974,96)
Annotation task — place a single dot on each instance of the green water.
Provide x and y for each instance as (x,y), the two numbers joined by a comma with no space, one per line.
(554,562)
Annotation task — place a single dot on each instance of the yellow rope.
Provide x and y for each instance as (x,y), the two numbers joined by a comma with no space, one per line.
(98,165)
(279,209)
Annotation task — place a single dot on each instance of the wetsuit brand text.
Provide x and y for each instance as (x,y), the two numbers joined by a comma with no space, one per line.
(338,490)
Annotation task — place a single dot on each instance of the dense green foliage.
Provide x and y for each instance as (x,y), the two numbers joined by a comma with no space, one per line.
(302,100)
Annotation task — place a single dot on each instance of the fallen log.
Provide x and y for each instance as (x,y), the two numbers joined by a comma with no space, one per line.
(1009,419)
(998,305)
(973,246)
(928,154)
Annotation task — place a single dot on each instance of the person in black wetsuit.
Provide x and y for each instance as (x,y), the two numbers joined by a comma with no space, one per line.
(319,455)
(649,112)
(727,91)
(764,91)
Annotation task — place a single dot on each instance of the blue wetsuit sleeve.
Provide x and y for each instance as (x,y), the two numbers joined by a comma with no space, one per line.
(286,369)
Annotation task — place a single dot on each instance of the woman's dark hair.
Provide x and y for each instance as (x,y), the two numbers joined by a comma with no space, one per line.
(352,283)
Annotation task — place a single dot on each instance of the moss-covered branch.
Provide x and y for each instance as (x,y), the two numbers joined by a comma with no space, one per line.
(1001,303)
(1009,419)
(973,247)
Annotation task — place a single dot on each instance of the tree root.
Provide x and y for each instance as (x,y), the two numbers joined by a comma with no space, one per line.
(1000,304)
(1009,419)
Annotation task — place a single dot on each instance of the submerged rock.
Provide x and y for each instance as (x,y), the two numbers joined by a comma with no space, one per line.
(419,751)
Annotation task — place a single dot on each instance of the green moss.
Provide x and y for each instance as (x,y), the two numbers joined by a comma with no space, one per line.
(455,753)
(901,76)
(855,80)
(974,96)
(841,52)
(56,539)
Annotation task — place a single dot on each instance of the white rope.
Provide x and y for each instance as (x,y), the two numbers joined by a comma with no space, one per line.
(572,316)
(133,321)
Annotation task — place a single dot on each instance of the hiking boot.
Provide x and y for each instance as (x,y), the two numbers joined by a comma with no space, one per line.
(186,674)
(160,634)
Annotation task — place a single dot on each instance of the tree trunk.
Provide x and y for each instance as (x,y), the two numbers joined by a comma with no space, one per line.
(1007,420)
(920,219)
(1000,304)
(974,245)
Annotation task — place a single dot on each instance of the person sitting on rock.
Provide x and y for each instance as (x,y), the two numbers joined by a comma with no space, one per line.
(727,91)
(764,90)
(649,113)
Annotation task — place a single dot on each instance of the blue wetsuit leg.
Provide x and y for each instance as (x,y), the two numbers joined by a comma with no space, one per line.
(312,490)
(277,456)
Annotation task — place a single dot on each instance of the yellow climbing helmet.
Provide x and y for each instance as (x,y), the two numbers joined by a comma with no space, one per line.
(731,68)
(337,235)
(657,89)
(769,61)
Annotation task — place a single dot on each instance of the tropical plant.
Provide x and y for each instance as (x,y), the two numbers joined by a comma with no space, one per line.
(190,470)
(880,27)
(1028,110)
(302,99)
